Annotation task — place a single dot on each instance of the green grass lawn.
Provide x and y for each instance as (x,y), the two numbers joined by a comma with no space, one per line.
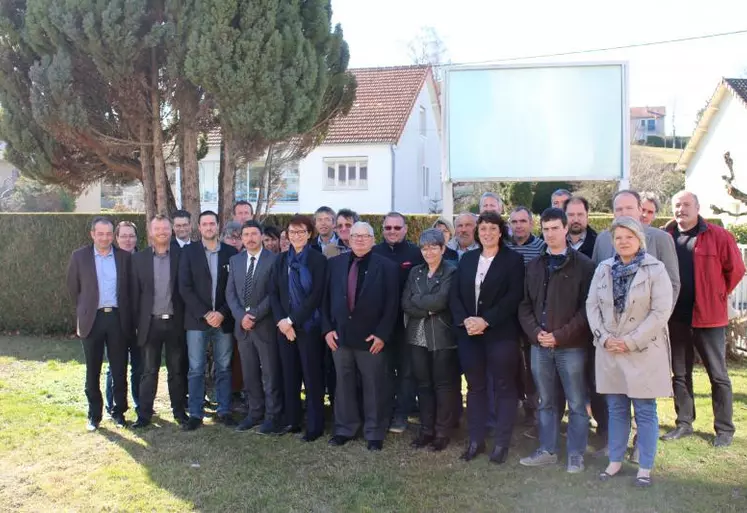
(48,462)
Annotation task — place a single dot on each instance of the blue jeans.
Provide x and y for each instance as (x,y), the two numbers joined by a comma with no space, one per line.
(197,343)
(569,365)
(646,420)
(135,373)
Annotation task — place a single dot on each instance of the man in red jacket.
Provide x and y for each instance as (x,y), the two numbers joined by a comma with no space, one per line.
(711,267)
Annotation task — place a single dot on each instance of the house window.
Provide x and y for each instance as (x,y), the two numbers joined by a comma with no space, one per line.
(346,173)
(209,181)
(426,182)
(423,125)
(651,125)
(643,123)
(290,183)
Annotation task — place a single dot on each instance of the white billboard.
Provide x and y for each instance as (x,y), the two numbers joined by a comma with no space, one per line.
(536,122)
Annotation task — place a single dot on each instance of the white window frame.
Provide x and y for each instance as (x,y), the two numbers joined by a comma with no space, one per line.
(356,185)
(423,122)
(426,178)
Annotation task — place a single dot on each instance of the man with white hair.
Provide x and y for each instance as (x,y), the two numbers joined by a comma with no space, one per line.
(710,268)
(491,202)
(464,238)
(359,313)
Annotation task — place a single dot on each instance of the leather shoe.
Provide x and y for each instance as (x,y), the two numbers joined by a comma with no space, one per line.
(338,440)
(92,425)
(290,429)
(140,423)
(439,444)
(723,440)
(227,420)
(473,450)
(677,433)
(192,424)
(421,441)
(119,420)
(311,437)
(375,445)
(247,424)
(499,455)
(181,418)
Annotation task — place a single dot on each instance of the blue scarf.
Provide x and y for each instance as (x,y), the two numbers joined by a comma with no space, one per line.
(622,276)
(299,283)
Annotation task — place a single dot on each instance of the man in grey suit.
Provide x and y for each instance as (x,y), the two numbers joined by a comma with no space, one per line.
(248,296)
(658,242)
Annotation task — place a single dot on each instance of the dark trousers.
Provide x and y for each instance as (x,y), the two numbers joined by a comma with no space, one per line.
(525,381)
(260,365)
(501,359)
(303,359)
(437,377)
(135,361)
(164,333)
(711,345)
(106,333)
(372,368)
(330,376)
(402,381)
(599,409)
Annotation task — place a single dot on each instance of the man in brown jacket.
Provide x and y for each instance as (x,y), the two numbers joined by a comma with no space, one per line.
(98,279)
(553,316)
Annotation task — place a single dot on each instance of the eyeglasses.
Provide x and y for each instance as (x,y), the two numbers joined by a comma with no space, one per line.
(297,232)
(361,236)
(395,228)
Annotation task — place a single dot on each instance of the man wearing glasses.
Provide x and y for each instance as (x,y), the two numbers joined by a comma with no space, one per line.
(405,255)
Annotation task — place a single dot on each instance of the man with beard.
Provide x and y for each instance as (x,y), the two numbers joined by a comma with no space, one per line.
(581,236)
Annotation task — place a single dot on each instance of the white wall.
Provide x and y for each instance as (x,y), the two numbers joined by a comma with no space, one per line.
(414,151)
(377,198)
(726,133)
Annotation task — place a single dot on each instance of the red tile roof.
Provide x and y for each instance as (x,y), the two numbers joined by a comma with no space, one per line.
(384,100)
(739,86)
(648,112)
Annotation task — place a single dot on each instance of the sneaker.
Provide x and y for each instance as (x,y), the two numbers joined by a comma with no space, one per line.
(539,458)
(575,464)
(398,425)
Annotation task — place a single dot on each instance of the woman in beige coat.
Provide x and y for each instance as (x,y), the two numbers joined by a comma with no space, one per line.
(629,303)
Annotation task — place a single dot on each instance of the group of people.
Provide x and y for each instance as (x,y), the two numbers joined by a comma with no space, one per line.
(570,318)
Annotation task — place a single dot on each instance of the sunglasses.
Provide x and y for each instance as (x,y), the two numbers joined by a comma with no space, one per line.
(395,228)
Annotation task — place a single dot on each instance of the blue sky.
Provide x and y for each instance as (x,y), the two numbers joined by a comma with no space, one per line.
(679,76)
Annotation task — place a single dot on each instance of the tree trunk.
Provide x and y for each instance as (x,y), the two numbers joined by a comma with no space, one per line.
(159,165)
(188,98)
(226,179)
(264,183)
(148,178)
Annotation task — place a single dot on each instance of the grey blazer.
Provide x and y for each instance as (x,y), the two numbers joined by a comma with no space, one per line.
(259,302)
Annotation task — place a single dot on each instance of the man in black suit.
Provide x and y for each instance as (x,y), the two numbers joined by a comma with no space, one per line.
(359,312)
(98,280)
(248,296)
(405,255)
(203,274)
(159,317)
(581,236)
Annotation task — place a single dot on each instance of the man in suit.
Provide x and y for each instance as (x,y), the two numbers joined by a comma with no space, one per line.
(581,236)
(159,317)
(359,313)
(346,218)
(182,228)
(203,274)
(405,255)
(248,296)
(98,280)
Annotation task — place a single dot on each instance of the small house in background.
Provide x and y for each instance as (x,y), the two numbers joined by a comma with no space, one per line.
(722,128)
(647,121)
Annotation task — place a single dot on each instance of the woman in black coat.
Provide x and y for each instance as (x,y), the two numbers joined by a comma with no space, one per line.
(432,345)
(298,287)
(485,295)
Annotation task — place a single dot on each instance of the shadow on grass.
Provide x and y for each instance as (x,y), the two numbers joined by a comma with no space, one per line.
(41,349)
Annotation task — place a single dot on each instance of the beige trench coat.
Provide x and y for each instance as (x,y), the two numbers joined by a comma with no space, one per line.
(644,372)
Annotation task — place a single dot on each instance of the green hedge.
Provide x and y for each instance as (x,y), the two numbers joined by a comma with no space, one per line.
(36,249)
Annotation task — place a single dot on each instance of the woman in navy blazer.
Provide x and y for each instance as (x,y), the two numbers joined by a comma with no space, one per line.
(298,279)
(485,296)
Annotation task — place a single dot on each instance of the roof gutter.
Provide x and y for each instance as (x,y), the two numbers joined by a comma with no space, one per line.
(392,148)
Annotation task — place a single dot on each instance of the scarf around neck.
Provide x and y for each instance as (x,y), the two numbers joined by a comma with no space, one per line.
(622,277)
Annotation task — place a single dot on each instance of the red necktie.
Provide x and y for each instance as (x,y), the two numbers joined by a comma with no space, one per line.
(352,283)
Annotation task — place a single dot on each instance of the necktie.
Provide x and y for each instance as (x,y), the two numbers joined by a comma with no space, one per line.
(352,283)
(249,282)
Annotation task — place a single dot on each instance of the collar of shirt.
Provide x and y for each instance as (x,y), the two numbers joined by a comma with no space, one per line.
(564,253)
(332,240)
(249,259)
(208,251)
(160,255)
(99,255)
(580,240)
(182,243)
(365,257)
(528,241)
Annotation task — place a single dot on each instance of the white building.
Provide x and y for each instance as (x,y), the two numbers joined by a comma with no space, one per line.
(721,129)
(384,155)
(646,121)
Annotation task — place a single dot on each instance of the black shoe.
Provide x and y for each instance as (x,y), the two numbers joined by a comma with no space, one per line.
(92,425)
(269,427)
(247,424)
(181,418)
(290,429)
(227,420)
(119,420)
(338,440)
(473,450)
(421,441)
(499,455)
(141,423)
(192,424)
(723,440)
(677,433)
(439,444)
(311,437)
(375,445)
